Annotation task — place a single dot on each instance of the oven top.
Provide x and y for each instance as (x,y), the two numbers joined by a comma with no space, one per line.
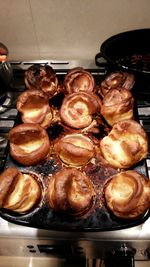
(7,116)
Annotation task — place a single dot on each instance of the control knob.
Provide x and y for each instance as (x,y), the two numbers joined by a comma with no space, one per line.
(121,257)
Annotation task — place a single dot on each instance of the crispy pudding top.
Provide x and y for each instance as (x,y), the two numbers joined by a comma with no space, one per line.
(127,194)
(29,143)
(71,191)
(78,79)
(78,108)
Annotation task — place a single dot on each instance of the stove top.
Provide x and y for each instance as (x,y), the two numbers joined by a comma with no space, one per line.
(8,114)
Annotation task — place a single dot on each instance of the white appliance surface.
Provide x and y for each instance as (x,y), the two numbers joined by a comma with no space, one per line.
(70,29)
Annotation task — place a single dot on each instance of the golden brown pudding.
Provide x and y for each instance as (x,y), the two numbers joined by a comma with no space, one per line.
(77,109)
(116,80)
(127,194)
(41,78)
(34,108)
(78,79)
(29,143)
(70,191)
(19,191)
(74,149)
(125,145)
(117,105)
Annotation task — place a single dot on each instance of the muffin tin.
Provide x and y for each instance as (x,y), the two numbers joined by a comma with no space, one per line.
(43,217)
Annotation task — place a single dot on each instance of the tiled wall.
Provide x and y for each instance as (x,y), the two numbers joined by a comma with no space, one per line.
(72,29)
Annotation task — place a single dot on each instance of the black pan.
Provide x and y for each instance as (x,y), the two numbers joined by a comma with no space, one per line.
(128,51)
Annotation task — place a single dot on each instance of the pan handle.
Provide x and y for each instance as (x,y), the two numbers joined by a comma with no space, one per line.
(101,62)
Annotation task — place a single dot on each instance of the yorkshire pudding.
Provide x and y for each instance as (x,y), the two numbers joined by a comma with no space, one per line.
(125,145)
(78,79)
(74,149)
(116,80)
(29,143)
(70,191)
(77,109)
(117,105)
(42,78)
(19,191)
(127,194)
(34,108)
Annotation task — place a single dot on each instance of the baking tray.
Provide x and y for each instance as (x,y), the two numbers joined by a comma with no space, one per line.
(43,217)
